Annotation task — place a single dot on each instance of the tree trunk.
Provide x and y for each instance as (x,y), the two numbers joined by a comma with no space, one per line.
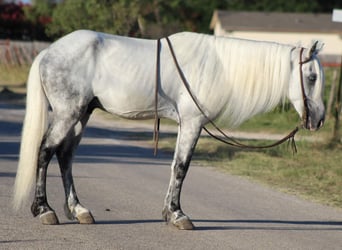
(332,94)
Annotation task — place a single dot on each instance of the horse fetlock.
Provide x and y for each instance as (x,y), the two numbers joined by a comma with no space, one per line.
(68,212)
(39,207)
(46,214)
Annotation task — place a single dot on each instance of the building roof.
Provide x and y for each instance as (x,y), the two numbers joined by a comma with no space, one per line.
(275,21)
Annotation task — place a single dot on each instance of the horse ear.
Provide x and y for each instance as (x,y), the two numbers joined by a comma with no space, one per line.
(315,48)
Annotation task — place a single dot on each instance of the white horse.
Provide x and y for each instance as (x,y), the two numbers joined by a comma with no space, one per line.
(231,79)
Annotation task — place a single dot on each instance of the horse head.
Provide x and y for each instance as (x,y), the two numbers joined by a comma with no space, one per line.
(307,85)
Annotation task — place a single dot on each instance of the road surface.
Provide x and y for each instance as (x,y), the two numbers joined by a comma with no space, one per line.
(118,178)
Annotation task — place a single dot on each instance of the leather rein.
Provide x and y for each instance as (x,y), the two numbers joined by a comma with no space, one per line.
(223,136)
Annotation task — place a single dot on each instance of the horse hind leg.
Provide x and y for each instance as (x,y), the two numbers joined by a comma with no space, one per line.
(54,136)
(40,204)
(65,153)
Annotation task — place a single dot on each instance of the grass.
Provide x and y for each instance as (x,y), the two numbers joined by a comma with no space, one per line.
(314,173)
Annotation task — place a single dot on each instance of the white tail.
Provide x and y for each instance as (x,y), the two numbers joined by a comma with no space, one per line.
(34,127)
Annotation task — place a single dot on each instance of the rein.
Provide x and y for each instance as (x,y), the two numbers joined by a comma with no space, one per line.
(225,138)
(156,117)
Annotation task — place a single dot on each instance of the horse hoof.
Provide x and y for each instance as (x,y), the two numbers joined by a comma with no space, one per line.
(184,223)
(85,218)
(49,218)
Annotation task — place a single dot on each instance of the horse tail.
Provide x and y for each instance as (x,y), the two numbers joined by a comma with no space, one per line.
(34,127)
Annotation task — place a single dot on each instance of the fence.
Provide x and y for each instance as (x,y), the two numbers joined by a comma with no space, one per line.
(19,52)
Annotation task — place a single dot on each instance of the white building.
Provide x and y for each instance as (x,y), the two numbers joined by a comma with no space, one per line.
(288,28)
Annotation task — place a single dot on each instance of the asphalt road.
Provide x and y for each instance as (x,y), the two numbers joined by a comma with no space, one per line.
(118,178)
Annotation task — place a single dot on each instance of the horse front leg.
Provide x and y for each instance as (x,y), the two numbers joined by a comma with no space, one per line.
(188,135)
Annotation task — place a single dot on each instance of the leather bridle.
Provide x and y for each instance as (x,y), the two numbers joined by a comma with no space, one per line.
(305,115)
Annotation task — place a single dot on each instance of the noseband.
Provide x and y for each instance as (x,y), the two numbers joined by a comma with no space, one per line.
(305,116)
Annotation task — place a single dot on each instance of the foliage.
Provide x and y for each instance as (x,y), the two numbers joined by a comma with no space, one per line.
(12,21)
(152,18)
(40,13)
(101,15)
(39,16)
(189,15)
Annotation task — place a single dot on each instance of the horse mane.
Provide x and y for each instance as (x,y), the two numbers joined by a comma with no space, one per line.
(256,76)
(232,79)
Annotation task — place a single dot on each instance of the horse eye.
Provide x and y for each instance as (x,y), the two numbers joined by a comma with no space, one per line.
(312,78)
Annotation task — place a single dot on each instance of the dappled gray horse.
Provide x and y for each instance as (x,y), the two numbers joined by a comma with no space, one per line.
(230,79)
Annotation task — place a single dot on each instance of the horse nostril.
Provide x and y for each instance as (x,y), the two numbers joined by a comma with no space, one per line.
(320,123)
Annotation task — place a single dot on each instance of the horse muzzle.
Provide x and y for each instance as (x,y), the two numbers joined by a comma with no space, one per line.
(314,116)
(313,125)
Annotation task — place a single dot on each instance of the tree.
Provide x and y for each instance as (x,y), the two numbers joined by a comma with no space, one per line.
(115,17)
(13,24)
(150,18)
(39,14)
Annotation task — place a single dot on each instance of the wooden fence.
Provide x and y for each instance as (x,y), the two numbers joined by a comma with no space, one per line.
(19,52)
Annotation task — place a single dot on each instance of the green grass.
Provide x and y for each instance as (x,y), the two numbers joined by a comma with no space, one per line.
(315,172)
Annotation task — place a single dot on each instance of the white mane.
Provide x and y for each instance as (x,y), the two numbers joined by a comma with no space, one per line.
(243,77)
(256,76)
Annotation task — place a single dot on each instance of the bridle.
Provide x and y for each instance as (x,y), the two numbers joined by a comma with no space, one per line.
(224,137)
(305,115)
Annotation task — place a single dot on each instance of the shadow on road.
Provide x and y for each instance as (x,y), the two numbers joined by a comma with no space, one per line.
(270,225)
(220,225)
(86,153)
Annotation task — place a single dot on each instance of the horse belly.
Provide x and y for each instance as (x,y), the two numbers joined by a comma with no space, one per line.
(127,98)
